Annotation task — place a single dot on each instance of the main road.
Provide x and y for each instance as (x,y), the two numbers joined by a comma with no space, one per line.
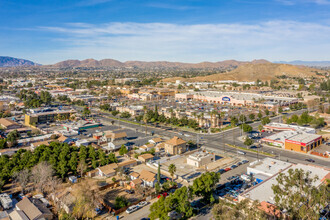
(218,141)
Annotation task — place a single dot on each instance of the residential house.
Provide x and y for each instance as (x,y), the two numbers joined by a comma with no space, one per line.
(107,170)
(9,124)
(146,147)
(127,164)
(66,200)
(148,178)
(18,215)
(135,182)
(145,157)
(175,146)
(4,215)
(156,141)
(34,209)
(134,175)
(110,136)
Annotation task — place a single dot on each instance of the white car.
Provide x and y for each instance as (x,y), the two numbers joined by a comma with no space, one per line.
(241,152)
(131,209)
(142,204)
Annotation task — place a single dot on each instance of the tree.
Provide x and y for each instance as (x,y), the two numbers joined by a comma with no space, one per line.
(241,211)
(280,109)
(242,118)
(172,170)
(3,143)
(246,128)
(158,173)
(297,193)
(267,112)
(121,202)
(86,111)
(260,127)
(265,120)
(22,178)
(204,186)
(123,150)
(41,175)
(12,138)
(259,115)
(160,209)
(248,141)
(233,121)
(125,115)
(179,201)
(73,162)
(87,200)
(252,116)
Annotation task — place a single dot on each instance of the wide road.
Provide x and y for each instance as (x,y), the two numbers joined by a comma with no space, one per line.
(219,140)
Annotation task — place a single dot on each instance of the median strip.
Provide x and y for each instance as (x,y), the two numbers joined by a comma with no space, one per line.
(251,150)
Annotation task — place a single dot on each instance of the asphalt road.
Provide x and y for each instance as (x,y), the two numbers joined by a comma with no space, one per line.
(217,141)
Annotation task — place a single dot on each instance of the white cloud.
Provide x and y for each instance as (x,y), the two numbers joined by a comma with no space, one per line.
(273,40)
(295,2)
(92,2)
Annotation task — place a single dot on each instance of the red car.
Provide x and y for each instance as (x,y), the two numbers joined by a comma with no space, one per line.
(163,194)
(262,130)
(227,169)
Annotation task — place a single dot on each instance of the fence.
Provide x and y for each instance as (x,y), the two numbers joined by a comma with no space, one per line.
(319,154)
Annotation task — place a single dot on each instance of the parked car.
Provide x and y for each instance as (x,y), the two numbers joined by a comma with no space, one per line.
(221,171)
(131,209)
(227,169)
(241,152)
(142,204)
(245,161)
(310,160)
(129,191)
(239,163)
(233,166)
(163,194)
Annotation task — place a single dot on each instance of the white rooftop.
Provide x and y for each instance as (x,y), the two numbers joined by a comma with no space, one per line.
(283,126)
(268,166)
(264,192)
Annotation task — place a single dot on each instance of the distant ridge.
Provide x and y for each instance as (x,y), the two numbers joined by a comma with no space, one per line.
(253,71)
(307,63)
(15,62)
(152,64)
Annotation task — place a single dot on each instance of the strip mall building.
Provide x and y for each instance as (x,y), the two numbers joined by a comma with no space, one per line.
(292,137)
(237,99)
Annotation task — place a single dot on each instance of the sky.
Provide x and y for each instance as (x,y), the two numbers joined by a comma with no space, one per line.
(49,31)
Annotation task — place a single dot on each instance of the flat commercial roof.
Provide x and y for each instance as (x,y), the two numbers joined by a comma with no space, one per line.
(305,138)
(282,126)
(279,137)
(243,96)
(269,166)
(264,192)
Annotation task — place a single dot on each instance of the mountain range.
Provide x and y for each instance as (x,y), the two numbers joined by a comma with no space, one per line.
(152,64)
(15,62)
(307,63)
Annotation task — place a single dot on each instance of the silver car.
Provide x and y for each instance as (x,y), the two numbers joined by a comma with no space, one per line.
(131,209)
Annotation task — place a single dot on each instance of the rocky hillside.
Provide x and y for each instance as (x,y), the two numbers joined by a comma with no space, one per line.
(15,62)
(253,71)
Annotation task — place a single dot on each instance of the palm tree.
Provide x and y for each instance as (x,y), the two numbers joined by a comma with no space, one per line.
(172,170)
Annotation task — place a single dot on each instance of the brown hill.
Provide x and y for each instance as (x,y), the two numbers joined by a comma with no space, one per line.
(263,71)
(227,64)
(87,63)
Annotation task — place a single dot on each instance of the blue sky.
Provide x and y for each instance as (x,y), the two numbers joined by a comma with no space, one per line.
(187,30)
